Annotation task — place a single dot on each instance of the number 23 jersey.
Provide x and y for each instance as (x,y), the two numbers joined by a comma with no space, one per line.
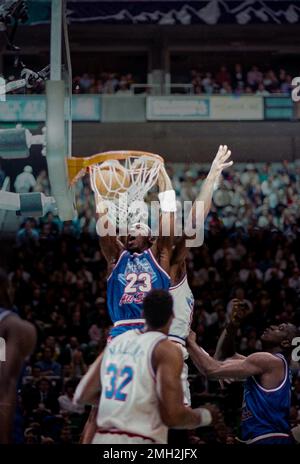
(133,276)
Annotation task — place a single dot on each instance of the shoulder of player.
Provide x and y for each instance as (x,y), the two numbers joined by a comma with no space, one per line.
(166,352)
(265,360)
(23,331)
(114,259)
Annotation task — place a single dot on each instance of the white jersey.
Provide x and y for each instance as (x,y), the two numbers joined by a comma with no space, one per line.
(129,403)
(183,304)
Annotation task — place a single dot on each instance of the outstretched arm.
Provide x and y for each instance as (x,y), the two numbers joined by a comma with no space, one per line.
(198,214)
(255,364)
(162,248)
(226,343)
(88,389)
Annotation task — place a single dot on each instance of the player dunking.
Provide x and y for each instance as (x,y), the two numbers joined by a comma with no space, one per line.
(266,404)
(20,339)
(139,378)
(133,270)
(180,290)
(121,273)
(139,266)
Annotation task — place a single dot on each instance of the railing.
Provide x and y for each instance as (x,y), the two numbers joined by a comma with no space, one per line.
(5,187)
(188,89)
(147,87)
(164,89)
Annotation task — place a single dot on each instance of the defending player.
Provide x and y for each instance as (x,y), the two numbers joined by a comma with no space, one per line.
(180,290)
(139,377)
(266,404)
(20,339)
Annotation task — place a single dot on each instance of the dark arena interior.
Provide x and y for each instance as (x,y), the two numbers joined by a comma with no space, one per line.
(178,78)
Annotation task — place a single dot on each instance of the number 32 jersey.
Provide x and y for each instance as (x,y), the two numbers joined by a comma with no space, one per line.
(133,276)
(129,402)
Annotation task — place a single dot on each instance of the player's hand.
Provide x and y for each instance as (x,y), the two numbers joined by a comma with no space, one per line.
(191,339)
(224,382)
(239,312)
(220,162)
(164,181)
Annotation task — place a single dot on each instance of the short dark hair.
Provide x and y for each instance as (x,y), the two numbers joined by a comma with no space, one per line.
(158,308)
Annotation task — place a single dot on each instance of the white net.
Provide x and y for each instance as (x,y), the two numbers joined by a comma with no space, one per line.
(122,185)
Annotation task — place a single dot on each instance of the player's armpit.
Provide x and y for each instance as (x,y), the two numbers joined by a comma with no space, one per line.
(179,252)
(162,247)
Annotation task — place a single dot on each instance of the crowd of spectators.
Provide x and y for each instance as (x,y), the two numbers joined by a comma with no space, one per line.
(106,83)
(240,80)
(251,251)
(103,83)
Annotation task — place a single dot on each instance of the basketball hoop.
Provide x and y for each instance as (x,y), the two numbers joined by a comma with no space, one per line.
(119,178)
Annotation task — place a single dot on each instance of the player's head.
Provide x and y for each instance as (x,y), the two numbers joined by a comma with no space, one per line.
(279,337)
(139,238)
(158,310)
(5,290)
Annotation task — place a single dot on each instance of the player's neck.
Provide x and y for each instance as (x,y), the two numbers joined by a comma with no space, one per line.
(139,251)
(162,330)
(274,350)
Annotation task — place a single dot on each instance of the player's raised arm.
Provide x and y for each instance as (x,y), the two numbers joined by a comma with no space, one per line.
(255,364)
(226,343)
(162,248)
(88,389)
(198,215)
(168,361)
(110,245)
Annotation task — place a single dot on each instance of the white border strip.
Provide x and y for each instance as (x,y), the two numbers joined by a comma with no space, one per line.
(129,322)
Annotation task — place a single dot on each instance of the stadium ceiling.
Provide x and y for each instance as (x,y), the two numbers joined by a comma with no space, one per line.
(170,12)
(89,37)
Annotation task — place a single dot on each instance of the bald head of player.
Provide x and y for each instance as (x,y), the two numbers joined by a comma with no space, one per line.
(278,338)
(158,311)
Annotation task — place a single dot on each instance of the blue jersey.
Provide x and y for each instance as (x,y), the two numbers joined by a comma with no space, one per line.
(133,276)
(265,412)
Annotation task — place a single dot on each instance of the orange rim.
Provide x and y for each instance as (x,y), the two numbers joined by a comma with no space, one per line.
(78,166)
